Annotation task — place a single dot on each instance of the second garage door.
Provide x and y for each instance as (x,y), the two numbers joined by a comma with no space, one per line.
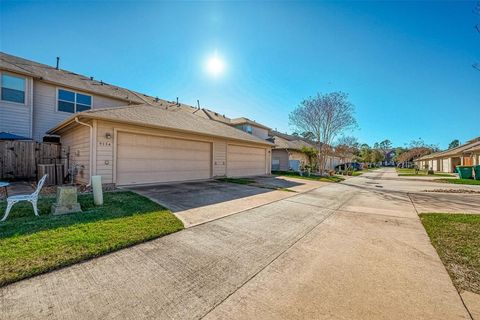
(149,159)
(245,161)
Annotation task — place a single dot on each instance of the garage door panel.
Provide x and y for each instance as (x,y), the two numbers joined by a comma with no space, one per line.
(149,159)
(160,165)
(137,152)
(246,161)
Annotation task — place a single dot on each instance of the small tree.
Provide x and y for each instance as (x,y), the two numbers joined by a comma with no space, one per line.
(325,117)
(455,143)
(311,154)
(376,156)
(364,154)
(346,148)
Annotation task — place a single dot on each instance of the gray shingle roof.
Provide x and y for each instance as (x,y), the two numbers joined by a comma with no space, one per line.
(282,143)
(164,118)
(66,78)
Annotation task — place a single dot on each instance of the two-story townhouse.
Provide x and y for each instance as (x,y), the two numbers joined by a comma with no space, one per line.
(35,97)
(124,136)
(249,126)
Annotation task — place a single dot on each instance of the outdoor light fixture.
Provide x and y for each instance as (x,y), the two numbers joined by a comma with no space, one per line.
(108,135)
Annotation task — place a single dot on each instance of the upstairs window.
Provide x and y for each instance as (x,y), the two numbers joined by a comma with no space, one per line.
(13,88)
(245,127)
(69,101)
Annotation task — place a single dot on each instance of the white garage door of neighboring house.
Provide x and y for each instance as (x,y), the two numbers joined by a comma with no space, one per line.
(245,161)
(446,165)
(148,159)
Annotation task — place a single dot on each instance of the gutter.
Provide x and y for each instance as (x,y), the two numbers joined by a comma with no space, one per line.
(137,123)
(90,164)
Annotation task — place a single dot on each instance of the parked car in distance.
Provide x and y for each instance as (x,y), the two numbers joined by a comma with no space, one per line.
(349,165)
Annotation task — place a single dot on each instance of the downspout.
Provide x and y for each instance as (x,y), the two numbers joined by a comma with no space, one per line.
(90,165)
(30,93)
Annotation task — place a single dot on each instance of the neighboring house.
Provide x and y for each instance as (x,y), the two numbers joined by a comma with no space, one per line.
(389,156)
(287,153)
(446,161)
(142,144)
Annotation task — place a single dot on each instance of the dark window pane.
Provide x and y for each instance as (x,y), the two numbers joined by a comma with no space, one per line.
(84,99)
(81,107)
(66,95)
(66,106)
(13,95)
(12,82)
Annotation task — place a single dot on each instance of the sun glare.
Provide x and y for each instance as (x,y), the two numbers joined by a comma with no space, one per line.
(215,65)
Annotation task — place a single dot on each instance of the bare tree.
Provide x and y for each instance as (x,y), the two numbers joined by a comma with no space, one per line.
(346,148)
(325,116)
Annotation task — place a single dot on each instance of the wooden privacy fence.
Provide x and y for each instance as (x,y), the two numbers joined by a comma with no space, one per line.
(19,159)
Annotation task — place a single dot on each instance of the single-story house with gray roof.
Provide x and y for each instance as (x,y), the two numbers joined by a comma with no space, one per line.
(142,144)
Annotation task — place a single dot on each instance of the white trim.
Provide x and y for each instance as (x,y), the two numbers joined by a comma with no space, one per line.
(24,88)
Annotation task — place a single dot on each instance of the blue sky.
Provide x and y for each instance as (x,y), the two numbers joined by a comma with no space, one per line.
(406,65)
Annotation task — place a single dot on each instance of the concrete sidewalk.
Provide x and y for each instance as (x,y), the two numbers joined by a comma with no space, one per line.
(326,254)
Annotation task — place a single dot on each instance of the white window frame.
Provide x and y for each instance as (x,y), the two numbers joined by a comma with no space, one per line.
(24,88)
(75,102)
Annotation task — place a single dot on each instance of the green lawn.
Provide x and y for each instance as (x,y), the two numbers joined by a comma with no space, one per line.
(32,245)
(315,178)
(459,181)
(411,173)
(457,240)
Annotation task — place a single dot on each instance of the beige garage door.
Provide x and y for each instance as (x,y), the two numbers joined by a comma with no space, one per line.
(149,159)
(245,161)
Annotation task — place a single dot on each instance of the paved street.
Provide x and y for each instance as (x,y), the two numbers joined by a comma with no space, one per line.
(354,250)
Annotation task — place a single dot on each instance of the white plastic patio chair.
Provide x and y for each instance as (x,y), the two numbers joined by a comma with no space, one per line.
(32,198)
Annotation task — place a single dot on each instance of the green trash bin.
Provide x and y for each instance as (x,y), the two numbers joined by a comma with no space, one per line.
(465,172)
(477,172)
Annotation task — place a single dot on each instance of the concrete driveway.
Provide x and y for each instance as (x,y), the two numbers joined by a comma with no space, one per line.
(325,254)
(198,202)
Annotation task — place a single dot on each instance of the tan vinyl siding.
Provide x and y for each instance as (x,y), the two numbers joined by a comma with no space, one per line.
(77,141)
(104,151)
(297,155)
(219,158)
(45,112)
(14,117)
(260,132)
(332,162)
